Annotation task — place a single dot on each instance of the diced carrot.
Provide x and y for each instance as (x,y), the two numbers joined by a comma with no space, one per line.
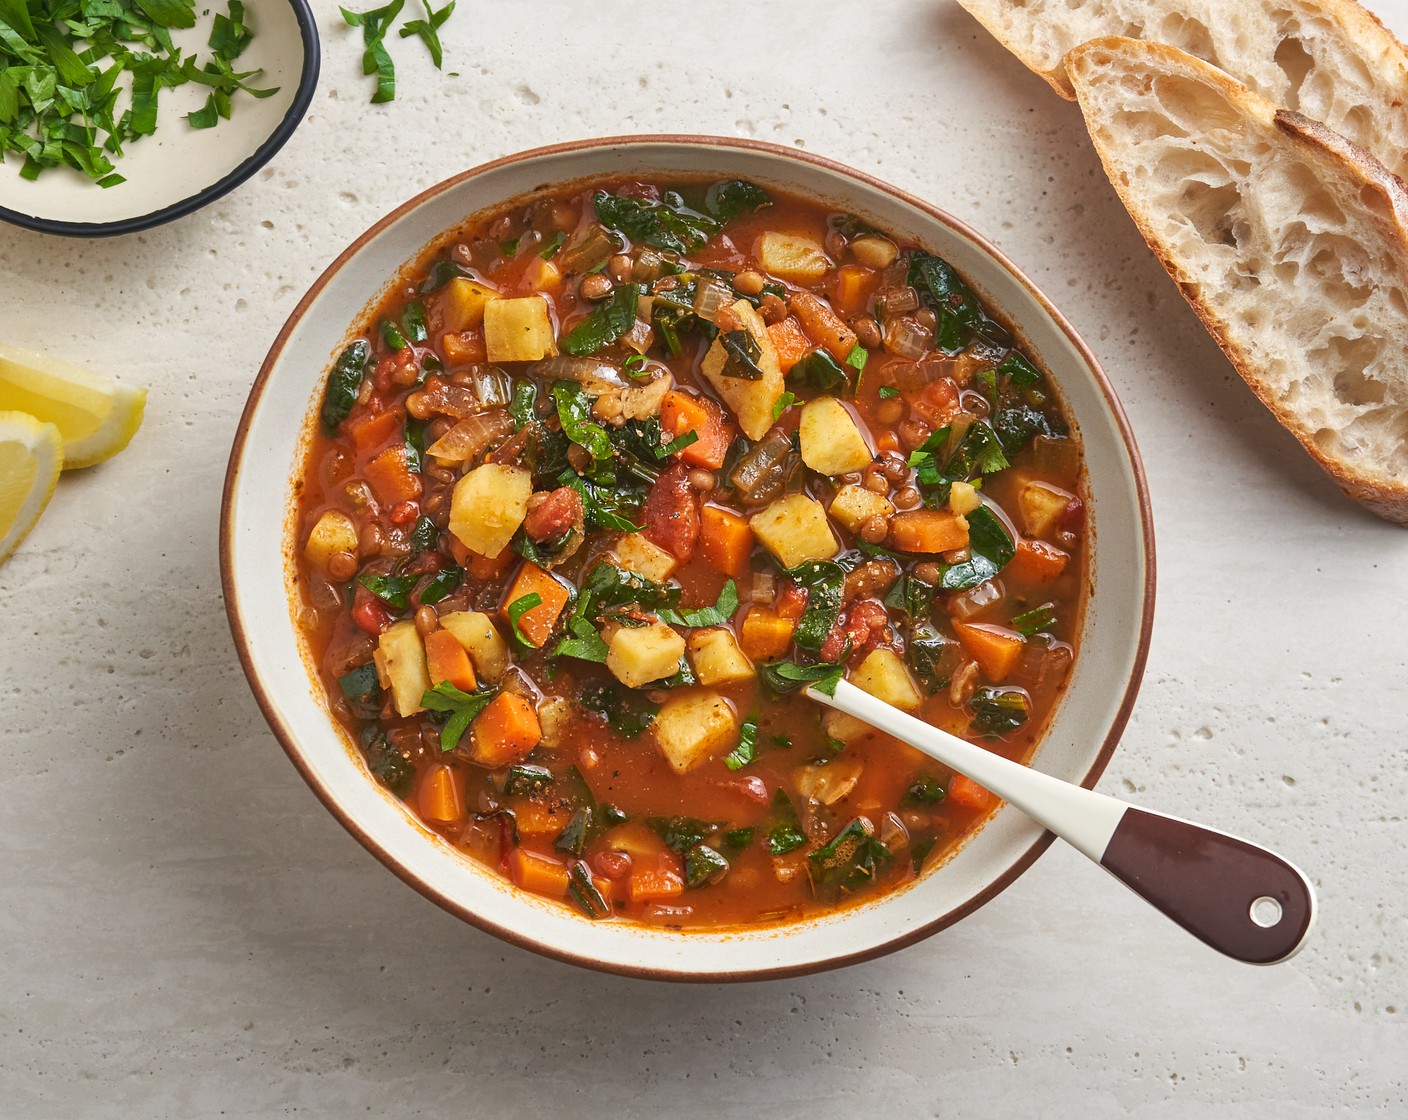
(791,601)
(968,794)
(648,883)
(447,660)
(440,798)
(995,648)
(537,622)
(390,476)
(464,348)
(683,412)
(372,430)
(928,530)
(725,540)
(824,325)
(477,564)
(790,342)
(538,819)
(765,635)
(1038,562)
(505,731)
(533,871)
(853,288)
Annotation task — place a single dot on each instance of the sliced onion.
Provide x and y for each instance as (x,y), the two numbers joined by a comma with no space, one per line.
(709,296)
(764,588)
(650,265)
(904,336)
(446,399)
(913,377)
(491,386)
(892,832)
(586,249)
(590,372)
(761,475)
(830,783)
(977,599)
(472,436)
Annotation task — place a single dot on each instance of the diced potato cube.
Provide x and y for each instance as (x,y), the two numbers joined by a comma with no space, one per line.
(636,554)
(489,505)
(853,506)
(693,726)
(751,401)
(333,533)
(638,655)
(717,659)
(1042,505)
(794,529)
(831,440)
(884,676)
(400,661)
(543,276)
(841,725)
(481,639)
(874,251)
(963,498)
(519,330)
(462,303)
(555,716)
(798,260)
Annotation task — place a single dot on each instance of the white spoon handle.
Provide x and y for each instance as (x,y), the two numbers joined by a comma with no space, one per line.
(1214,885)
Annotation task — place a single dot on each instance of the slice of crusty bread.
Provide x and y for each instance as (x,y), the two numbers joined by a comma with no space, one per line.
(1328,59)
(1289,242)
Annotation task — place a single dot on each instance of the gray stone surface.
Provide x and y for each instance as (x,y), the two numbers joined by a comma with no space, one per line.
(186,933)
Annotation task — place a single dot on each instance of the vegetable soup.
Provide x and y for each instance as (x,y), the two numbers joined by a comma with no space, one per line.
(611,476)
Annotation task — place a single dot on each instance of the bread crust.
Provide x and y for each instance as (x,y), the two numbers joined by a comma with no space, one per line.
(1324,153)
(1355,76)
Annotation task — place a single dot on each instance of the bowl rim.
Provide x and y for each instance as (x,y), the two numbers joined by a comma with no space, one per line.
(302,99)
(524,940)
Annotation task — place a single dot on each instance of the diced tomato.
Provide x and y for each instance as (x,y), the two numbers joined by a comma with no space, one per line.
(937,402)
(369,613)
(672,512)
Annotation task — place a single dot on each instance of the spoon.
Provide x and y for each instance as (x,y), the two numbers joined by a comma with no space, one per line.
(1241,899)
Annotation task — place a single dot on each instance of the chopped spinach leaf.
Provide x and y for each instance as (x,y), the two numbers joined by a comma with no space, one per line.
(392,590)
(524,779)
(737,839)
(667,224)
(996,711)
(388,765)
(441,584)
(788,676)
(926,790)
(362,688)
(440,274)
(703,866)
(990,547)
(516,610)
(413,322)
(1019,369)
(525,396)
(932,656)
(825,580)
(392,336)
(887,392)
(784,828)
(852,859)
(726,200)
(626,710)
(574,410)
(343,385)
(742,353)
(745,752)
(682,833)
(603,507)
(606,323)
(461,707)
(819,370)
(783,403)
(425,536)
(578,833)
(960,314)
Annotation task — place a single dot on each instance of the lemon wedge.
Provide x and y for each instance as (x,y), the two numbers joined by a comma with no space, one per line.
(31,457)
(96,416)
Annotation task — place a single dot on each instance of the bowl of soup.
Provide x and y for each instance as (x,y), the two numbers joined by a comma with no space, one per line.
(566,479)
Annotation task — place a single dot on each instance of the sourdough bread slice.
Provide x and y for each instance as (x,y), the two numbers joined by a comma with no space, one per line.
(1328,59)
(1289,242)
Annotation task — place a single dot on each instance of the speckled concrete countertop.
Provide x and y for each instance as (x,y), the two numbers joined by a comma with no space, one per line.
(187,933)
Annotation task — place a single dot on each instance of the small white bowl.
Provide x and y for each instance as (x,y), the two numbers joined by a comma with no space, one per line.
(256,546)
(179,169)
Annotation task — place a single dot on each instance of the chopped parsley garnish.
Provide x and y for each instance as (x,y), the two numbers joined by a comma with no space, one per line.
(516,610)
(784,402)
(887,392)
(720,614)
(392,590)
(441,584)
(784,828)
(65,69)
(1035,620)
(745,752)
(996,711)
(462,707)
(788,676)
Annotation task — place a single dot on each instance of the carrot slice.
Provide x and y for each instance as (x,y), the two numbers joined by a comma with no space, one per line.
(536,623)
(928,530)
(538,873)
(1038,562)
(824,325)
(725,540)
(505,731)
(683,412)
(390,476)
(447,660)
(790,342)
(995,648)
(968,794)
(440,798)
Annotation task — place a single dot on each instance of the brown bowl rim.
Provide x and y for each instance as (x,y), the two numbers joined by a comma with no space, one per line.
(515,937)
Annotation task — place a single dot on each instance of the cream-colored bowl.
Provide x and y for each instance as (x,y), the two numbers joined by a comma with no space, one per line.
(256,546)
